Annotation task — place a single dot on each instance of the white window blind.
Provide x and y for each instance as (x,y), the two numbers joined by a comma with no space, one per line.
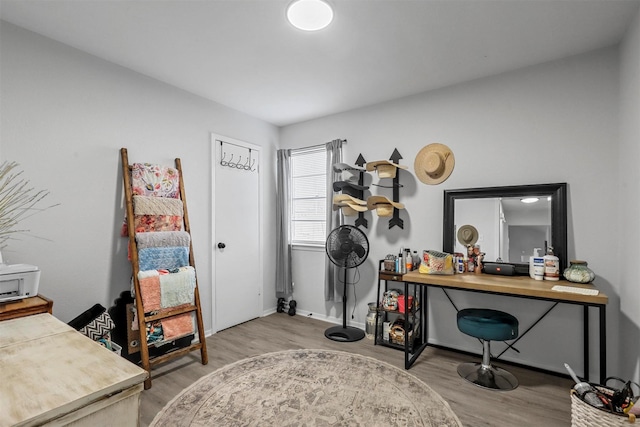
(308,196)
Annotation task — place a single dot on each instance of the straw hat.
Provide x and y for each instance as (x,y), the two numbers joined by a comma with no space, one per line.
(347,210)
(434,163)
(467,235)
(350,205)
(385,168)
(382,205)
(341,199)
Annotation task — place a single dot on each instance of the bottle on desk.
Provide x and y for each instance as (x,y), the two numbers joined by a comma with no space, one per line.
(551,266)
(408,261)
(536,265)
(401,264)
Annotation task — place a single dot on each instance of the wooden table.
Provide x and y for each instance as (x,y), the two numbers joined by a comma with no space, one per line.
(25,307)
(53,375)
(520,287)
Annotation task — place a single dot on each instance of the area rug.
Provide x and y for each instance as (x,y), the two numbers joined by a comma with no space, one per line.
(309,388)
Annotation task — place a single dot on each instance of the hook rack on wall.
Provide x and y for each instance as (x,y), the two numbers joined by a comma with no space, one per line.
(248,165)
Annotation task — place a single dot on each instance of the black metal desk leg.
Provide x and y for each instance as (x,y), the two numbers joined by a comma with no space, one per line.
(585,340)
(603,344)
(375,329)
(423,306)
(423,316)
(407,357)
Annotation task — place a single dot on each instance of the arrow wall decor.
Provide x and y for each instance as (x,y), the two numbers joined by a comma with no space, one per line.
(361,221)
(396,220)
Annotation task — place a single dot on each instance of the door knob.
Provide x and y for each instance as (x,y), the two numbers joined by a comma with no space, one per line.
(221,245)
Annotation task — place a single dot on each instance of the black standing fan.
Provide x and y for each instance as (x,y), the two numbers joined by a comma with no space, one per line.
(347,247)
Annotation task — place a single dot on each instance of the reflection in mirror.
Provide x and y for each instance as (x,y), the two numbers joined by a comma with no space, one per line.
(509,230)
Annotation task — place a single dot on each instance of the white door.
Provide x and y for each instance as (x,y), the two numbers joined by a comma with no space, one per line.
(237,266)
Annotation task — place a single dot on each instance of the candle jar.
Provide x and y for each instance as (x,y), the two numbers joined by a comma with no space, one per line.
(578,272)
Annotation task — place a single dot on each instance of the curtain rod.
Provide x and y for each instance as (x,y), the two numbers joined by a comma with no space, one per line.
(344,141)
(311,147)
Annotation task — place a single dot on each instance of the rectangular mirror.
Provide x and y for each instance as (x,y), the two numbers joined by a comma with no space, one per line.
(508,229)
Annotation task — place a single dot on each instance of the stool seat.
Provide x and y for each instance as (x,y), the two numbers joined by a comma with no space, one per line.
(487,325)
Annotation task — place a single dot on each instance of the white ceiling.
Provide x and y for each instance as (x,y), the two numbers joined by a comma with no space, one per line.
(245,55)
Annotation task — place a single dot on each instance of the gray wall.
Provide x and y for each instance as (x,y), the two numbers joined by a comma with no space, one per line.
(65,115)
(556,122)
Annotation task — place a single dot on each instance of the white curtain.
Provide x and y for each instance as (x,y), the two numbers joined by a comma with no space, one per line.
(284,281)
(333,286)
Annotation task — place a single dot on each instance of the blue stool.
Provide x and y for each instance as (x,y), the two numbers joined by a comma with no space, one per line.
(487,325)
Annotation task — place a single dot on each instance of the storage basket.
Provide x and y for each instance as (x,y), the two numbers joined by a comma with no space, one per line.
(585,415)
(116,348)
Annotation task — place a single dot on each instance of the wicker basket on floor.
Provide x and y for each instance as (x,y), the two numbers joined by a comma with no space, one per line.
(585,415)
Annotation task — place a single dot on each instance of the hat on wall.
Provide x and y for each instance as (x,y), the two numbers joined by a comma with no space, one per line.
(340,167)
(382,205)
(341,185)
(467,235)
(339,199)
(434,163)
(347,210)
(385,168)
(350,205)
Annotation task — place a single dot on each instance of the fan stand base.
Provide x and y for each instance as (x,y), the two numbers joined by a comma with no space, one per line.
(344,334)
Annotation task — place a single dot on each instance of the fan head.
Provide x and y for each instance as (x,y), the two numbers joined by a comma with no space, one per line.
(347,246)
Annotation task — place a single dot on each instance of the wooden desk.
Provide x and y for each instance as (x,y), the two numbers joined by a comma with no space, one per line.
(520,287)
(25,307)
(53,375)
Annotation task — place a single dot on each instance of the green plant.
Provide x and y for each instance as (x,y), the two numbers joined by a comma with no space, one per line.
(17,200)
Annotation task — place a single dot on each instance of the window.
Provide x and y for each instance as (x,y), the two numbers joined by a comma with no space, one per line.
(308,196)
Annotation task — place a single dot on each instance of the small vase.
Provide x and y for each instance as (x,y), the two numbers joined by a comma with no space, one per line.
(578,272)
(370,322)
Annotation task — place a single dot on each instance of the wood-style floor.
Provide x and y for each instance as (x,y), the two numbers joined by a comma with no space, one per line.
(540,400)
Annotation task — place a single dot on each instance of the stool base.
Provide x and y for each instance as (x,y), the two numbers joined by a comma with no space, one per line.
(488,376)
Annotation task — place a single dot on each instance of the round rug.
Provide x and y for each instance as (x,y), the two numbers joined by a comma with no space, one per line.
(311,388)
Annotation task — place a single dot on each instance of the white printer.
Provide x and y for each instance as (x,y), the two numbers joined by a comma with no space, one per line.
(18,281)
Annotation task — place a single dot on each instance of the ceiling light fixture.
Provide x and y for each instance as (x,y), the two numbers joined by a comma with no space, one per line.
(309,15)
(529,200)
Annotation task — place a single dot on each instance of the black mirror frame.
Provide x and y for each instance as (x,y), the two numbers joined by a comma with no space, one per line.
(558,192)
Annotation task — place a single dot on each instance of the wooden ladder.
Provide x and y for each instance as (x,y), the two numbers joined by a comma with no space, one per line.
(143,319)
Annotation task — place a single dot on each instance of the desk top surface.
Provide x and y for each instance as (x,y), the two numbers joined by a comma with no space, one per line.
(48,369)
(521,286)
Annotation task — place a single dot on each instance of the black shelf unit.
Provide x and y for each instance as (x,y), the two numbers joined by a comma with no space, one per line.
(415,319)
